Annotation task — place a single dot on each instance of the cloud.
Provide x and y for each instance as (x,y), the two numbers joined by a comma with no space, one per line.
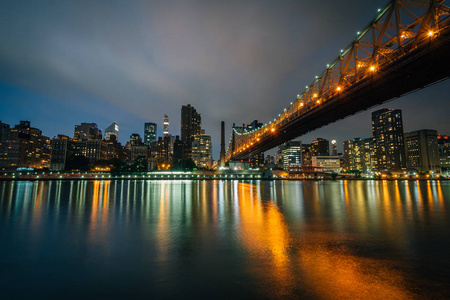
(232,60)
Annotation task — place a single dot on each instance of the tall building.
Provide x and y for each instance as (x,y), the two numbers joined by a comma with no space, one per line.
(24,146)
(166,125)
(201,150)
(87,131)
(177,155)
(359,155)
(389,148)
(62,148)
(191,123)
(112,130)
(422,150)
(292,154)
(334,148)
(320,147)
(150,133)
(444,152)
(306,155)
(135,139)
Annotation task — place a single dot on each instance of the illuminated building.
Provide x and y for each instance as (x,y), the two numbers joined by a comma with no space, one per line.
(389,148)
(320,147)
(87,131)
(62,148)
(334,148)
(328,163)
(422,150)
(112,130)
(135,139)
(166,125)
(201,150)
(191,123)
(291,154)
(150,133)
(444,152)
(177,155)
(24,146)
(359,155)
(306,155)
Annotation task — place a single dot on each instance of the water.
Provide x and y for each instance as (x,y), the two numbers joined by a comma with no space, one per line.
(224,239)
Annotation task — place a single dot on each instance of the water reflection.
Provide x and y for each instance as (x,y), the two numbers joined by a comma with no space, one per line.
(358,239)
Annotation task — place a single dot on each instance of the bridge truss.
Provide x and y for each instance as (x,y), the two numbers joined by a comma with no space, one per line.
(404,48)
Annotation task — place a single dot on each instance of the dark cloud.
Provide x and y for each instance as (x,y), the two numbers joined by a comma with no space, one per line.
(133,61)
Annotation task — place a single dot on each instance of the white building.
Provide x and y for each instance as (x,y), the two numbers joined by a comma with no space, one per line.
(328,163)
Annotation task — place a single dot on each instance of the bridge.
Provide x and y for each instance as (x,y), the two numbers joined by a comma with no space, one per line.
(406,47)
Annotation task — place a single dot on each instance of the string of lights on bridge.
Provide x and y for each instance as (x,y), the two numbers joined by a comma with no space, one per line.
(364,67)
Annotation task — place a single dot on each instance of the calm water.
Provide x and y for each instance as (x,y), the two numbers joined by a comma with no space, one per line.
(224,239)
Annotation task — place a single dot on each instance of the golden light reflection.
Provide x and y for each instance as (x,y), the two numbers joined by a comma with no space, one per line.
(264,233)
(336,273)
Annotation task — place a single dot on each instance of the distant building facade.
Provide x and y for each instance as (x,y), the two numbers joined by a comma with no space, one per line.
(306,155)
(389,147)
(320,147)
(166,125)
(87,131)
(292,154)
(422,150)
(444,152)
(150,133)
(24,147)
(112,130)
(359,155)
(191,123)
(328,163)
(201,150)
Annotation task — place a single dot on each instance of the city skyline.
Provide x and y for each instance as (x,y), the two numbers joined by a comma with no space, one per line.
(237,87)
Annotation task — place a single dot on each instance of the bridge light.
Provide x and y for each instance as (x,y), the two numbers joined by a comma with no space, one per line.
(338,88)
(301,104)
(315,95)
(358,32)
(273,129)
(430,33)
(298,96)
(306,86)
(318,101)
(328,65)
(342,50)
(372,68)
(379,9)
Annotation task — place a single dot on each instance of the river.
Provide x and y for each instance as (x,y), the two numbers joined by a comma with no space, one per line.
(135,239)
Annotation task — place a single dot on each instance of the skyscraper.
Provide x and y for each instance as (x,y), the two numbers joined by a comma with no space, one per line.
(150,133)
(422,150)
(166,125)
(389,148)
(291,154)
(201,150)
(87,131)
(358,155)
(320,147)
(112,129)
(191,123)
(333,148)
(135,139)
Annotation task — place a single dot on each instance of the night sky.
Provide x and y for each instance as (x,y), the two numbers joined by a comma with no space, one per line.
(67,62)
